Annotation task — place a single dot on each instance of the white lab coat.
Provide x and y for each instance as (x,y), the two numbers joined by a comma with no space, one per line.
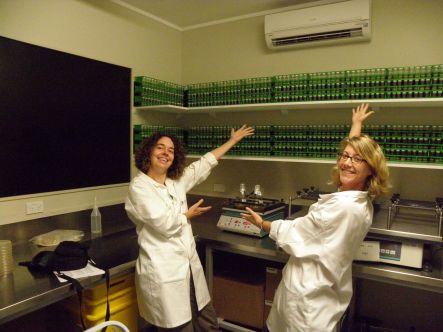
(166,246)
(316,285)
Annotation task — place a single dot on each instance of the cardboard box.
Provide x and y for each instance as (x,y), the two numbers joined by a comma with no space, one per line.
(239,300)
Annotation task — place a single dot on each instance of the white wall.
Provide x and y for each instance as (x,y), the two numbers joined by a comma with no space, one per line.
(405,33)
(99,30)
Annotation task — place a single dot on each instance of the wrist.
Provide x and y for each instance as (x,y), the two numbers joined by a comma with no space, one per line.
(233,141)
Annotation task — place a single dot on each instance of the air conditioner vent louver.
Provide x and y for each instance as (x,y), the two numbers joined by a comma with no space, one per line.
(339,34)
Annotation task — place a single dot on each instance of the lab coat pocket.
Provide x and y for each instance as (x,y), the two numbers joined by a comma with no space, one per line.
(293,307)
(170,266)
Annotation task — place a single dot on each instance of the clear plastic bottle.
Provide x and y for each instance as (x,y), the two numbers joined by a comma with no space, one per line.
(96,219)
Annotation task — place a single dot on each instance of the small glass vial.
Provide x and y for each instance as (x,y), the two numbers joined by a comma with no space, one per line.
(243,192)
(258,193)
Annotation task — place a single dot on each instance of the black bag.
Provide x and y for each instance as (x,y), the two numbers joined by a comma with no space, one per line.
(68,256)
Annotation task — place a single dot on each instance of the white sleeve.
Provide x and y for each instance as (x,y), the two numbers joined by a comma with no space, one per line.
(324,231)
(198,171)
(300,237)
(145,208)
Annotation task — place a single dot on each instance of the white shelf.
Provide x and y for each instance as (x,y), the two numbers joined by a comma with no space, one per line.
(412,165)
(278,159)
(320,161)
(164,109)
(326,104)
(294,106)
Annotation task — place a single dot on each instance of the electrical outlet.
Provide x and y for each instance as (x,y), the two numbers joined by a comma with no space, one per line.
(218,187)
(34,207)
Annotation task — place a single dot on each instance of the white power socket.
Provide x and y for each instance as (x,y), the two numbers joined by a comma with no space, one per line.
(34,207)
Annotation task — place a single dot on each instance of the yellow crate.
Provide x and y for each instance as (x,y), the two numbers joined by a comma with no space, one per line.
(115,285)
(122,304)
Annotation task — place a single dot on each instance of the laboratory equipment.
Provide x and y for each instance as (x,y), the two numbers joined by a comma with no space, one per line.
(231,220)
(404,252)
(432,210)
(304,197)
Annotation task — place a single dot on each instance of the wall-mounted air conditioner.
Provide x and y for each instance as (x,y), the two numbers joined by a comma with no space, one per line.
(334,23)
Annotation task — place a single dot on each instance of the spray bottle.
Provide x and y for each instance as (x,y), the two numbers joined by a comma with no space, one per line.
(96,219)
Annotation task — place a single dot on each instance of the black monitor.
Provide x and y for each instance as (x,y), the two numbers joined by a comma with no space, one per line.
(64,120)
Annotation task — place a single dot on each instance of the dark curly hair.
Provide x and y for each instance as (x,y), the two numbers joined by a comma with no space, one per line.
(143,155)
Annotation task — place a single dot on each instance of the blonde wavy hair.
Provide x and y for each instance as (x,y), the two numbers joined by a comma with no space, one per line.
(377,183)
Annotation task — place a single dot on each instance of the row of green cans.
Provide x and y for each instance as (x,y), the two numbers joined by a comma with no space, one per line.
(389,131)
(379,83)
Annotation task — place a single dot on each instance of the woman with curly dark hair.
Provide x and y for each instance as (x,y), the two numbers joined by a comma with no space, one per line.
(172,293)
(143,155)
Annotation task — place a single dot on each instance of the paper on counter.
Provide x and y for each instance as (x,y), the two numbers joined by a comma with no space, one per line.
(88,271)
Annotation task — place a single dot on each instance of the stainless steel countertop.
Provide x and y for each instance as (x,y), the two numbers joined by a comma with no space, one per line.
(22,292)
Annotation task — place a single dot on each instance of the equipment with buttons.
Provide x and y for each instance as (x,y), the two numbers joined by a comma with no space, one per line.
(231,220)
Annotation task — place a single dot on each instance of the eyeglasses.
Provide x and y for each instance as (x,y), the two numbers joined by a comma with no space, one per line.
(355,159)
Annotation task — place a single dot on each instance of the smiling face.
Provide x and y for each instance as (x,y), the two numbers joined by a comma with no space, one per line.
(162,156)
(353,175)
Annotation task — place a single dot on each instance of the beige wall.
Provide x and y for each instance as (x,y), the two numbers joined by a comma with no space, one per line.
(405,33)
(96,29)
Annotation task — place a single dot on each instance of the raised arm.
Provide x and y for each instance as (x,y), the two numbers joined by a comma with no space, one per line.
(236,136)
(359,115)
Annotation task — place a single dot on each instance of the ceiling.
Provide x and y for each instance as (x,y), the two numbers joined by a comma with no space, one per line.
(190,14)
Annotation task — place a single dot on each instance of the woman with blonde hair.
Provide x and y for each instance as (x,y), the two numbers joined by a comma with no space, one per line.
(316,285)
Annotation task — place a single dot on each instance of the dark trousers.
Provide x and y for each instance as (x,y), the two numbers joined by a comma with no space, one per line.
(204,320)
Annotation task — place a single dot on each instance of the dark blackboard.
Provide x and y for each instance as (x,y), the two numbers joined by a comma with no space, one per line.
(64,120)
